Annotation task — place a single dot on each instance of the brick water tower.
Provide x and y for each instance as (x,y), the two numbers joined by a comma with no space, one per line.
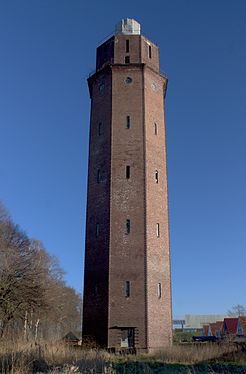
(127,285)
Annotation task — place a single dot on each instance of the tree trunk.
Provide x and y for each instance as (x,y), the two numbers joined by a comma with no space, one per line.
(36,328)
(25,327)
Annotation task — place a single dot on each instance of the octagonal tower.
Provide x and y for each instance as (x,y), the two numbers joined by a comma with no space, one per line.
(127,286)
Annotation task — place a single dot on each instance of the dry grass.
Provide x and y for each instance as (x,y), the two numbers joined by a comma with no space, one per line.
(193,353)
(20,358)
(54,357)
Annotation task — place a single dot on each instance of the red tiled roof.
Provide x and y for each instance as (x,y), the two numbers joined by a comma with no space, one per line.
(230,325)
(219,325)
(243,323)
(212,328)
(205,330)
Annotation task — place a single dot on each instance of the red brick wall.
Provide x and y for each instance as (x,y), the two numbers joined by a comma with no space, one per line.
(127,251)
(115,256)
(158,256)
(95,313)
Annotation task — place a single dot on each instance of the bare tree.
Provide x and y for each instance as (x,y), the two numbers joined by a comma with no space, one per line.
(237,311)
(34,298)
(22,275)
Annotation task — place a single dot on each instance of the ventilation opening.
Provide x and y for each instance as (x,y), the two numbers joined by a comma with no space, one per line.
(127,59)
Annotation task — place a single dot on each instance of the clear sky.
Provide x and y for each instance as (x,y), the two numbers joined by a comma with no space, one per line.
(47,51)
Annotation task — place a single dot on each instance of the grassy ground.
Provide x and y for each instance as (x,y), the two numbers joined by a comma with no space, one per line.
(19,358)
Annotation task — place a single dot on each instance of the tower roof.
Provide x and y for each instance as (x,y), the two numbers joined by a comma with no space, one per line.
(128,26)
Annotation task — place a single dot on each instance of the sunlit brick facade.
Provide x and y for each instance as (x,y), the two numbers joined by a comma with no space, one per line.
(127,286)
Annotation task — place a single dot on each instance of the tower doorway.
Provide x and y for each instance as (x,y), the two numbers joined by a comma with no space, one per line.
(127,338)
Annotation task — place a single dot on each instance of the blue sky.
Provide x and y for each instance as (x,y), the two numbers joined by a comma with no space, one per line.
(47,51)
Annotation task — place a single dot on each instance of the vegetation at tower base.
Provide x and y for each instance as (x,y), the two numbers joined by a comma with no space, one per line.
(54,357)
(34,299)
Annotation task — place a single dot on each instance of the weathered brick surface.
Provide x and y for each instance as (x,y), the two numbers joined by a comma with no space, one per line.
(127,259)
(158,256)
(95,313)
(115,257)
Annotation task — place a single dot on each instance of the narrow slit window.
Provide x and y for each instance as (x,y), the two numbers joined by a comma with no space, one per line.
(98,176)
(158,230)
(156,176)
(100,128)
(127,289)
(156,129)
(159,290)
(127,46)
(127,59)
(128,122)
(96,290)
(128,172)
(128,226)
(150,52)
(97,230)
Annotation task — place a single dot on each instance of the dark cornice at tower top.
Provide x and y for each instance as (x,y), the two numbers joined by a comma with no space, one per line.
(128,47)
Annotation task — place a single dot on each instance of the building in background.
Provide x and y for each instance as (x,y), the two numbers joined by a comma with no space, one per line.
(196,321)
(127,286)
(241,326)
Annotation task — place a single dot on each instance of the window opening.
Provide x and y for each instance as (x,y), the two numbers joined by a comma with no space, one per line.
(96,290)
(150,51)
(127,46)
(101,88)
(127,337)
(127,59)
(156,176)
(127,172)
(97,229)
(100,128)
(155,128)
(128,80)
(128,226)
(158,230)
(159,290)
(128,122)
(127,289)
(98,176)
